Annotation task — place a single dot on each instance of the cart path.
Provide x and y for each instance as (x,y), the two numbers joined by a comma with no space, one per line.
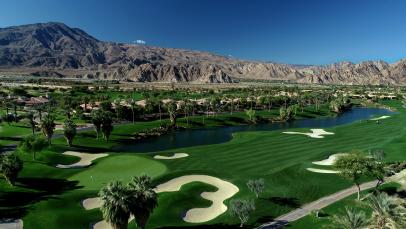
(315,205)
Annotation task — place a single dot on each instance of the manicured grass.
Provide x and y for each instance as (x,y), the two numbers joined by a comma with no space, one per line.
(58,192)
(11,134)
(338,209)
(117,167)
(278,158)
(124,133)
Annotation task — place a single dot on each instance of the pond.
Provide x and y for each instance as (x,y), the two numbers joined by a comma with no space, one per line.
(215,135)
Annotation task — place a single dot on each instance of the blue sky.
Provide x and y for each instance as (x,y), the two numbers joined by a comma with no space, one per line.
(297,32)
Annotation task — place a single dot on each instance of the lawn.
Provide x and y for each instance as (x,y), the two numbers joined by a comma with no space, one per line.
(47,197)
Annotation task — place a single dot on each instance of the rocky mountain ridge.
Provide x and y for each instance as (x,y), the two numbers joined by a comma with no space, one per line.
(56,50)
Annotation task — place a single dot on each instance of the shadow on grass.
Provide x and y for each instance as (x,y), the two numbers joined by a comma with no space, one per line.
(11,138)
(8,148)
(276,225)
(237,120)
(285,201)
(391,191)
(86,149)
(14,204)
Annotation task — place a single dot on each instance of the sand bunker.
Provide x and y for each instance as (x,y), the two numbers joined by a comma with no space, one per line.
(175,156)
(85,159)
(316,133)
(379,118)
(11,224)
(196,215)
(330,160)
(322,170)
(92,203)
(200,215)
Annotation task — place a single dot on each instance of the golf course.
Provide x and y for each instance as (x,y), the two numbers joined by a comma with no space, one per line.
(197,172)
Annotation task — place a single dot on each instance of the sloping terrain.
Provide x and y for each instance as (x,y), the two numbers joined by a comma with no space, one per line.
(56,50)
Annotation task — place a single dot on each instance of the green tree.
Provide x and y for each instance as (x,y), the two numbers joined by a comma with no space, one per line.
(242,210)
(10,167)
(171,107)
(106,106)
(251,114)
(133,106)
(107,125)
(48,127)
(69,131)
(97,120)
(33,144)
(351,219)
(31,121)
(117,201)
(285,114)
(256,186)
(144,197)
(353,167)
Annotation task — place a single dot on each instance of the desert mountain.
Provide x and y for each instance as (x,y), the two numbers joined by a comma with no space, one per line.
(54,49)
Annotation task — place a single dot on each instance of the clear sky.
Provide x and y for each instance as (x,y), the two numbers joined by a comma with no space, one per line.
(287,31)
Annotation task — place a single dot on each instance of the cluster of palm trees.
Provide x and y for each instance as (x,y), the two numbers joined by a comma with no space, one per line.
(120,201)
(102,120)
(388,212)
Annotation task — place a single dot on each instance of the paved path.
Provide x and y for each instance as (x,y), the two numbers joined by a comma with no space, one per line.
(315,205)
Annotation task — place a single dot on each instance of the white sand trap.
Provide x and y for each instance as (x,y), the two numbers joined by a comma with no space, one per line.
(92,203)
(11,224)
(85,159)
(322,170)
(174,156)
(196,215)
(380,118)
(200,215)
(316,133)
(104,225)
(330,160)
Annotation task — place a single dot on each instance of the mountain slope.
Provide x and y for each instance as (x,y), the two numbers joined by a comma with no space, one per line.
(54,49)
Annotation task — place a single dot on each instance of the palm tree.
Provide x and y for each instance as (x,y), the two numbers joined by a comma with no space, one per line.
(97,120)
(145,199)
(133,105)
(32,144)
(85,100)
(40,108)
(351,219)
(116,198)
(187,108)
(387,211)
(48,127)
(15,104)
(171,108)
(107,125)
(69,131)
(31,120)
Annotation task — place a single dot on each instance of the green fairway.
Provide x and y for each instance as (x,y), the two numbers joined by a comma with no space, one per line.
(11,134)
(279,158)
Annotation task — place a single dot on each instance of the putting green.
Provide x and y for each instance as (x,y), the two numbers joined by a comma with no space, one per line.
(117,167)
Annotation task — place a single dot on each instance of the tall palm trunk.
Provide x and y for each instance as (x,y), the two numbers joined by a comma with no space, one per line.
(132,110)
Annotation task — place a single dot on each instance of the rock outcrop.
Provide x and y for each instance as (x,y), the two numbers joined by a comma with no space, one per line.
(56,50)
